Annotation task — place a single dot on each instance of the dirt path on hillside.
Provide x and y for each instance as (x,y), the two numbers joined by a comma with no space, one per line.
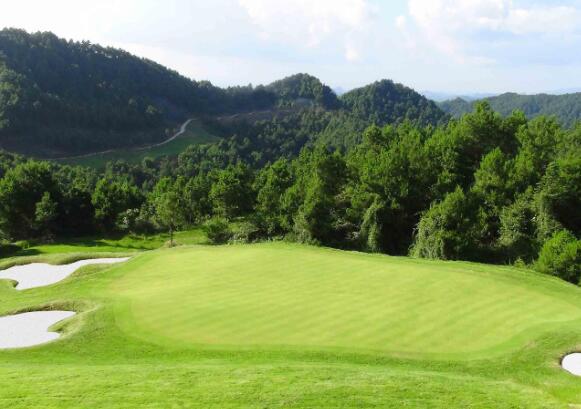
(141,148)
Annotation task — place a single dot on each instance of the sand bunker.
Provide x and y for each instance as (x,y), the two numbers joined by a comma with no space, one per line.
(572,363)
(39,274)
(30,328)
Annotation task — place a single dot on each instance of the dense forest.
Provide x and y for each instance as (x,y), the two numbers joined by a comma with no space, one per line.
(483,187)
(60,98)
(567,107)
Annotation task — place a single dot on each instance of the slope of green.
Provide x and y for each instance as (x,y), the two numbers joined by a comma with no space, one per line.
(279,325)
(196,134)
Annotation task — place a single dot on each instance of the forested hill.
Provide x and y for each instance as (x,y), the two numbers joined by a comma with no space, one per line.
(303,90)
(60,98)
(385,102)
(566,107)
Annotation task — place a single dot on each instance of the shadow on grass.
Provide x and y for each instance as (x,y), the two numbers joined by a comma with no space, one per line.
(9,250)
(23,252)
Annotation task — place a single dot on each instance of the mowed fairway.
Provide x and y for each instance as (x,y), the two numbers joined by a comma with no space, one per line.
(280,325)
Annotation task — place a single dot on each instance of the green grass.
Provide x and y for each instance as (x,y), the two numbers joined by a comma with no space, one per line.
(124,244)
(282,325)
(196,134)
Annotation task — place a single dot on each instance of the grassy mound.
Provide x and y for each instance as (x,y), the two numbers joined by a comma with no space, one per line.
(280,325)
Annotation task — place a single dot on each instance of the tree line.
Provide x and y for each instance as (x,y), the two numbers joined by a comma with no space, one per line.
(483,187)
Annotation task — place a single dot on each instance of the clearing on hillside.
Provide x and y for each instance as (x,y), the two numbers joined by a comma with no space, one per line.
(195,134)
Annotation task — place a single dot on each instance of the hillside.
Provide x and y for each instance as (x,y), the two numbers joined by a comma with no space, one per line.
(567,107)
(62,98)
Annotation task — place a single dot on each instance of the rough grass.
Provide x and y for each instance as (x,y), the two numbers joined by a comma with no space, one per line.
(281,325)
(196,134)
(122,244)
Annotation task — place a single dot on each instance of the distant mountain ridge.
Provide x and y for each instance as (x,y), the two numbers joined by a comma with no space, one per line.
(566,107)
(446,96)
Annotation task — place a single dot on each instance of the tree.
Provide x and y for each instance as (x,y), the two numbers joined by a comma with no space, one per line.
(195,198)
(231,193)
(111,198)
(560,192)
(518,223)
(168,203)
(490,180)
(320,178)
(371,234)
(21,190)
(271,184)
(45,214)
(449,229)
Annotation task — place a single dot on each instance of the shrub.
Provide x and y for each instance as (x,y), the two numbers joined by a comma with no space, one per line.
(561,256)
(245,232)
(136,221)
(218,230)
(7,250)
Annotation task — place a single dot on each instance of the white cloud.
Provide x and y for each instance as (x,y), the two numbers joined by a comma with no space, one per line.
(351,52)
(401,22)
(547,20)
(311,23)
(460,27)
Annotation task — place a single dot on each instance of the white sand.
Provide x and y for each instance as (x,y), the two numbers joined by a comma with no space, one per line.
(30,328)
(39,274)
(572,363)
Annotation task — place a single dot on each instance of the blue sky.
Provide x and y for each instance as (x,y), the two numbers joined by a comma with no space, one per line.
(455,46)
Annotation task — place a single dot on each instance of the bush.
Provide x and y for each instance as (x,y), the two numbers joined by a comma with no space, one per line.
(245,232)
(561,256)
(136,221)
(218,230)
(7,250)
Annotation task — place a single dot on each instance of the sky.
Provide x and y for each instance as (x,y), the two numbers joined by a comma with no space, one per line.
(451,46)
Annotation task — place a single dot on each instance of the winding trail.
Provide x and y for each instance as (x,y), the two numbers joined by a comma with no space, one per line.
(138,149)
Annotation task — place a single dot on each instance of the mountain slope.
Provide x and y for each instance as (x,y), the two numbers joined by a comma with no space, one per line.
(566,107)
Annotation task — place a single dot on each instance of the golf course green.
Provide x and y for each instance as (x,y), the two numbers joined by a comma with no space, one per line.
(285,325)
